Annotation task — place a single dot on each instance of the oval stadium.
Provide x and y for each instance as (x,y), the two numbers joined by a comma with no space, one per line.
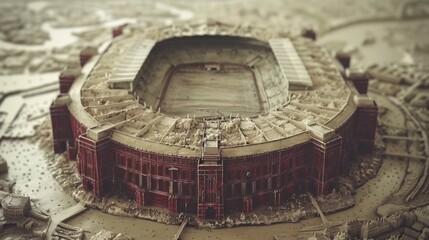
(211,118)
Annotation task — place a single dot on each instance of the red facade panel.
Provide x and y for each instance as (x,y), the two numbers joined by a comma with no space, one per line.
(166,181)
(66,81)
(360,81)
(366,126)
(238,184)
(60,127)
(326,159)
(95,164)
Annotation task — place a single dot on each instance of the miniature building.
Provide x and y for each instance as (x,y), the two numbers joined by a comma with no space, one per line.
(15,206)
(210,119)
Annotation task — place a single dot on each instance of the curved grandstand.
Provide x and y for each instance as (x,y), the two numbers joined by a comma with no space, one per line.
(211,118)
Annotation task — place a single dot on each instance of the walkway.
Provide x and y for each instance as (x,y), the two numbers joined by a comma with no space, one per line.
(182,226)
(424,178)
(325,223)
(63,216)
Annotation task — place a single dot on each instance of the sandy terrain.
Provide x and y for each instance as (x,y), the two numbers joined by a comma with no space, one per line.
(208,93)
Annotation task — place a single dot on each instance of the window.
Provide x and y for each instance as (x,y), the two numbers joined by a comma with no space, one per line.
(185,189)
(265,184)
(121,174)
(89,169)
(237,189)
(162,185)
(209,183)
(258,185)
(274,182)
(154,184)
(194,190)
(136,179)
(184,174)
(144,182)
(228,190)
(228,175)
(144,168)
(295,162)
(274,168)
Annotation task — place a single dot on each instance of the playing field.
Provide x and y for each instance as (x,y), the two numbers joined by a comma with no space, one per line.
(210,93)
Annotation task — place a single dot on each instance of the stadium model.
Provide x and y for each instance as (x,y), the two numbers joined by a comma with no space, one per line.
(211,118)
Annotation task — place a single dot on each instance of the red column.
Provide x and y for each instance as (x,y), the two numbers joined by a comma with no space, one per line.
(172,203)
(117,31)
(247,204)
(67,78)
(360,81)
(96,164)
(344,59)
(86,54)
(326,159)
(61,129)
(309,33)
(278,197)
(365,126)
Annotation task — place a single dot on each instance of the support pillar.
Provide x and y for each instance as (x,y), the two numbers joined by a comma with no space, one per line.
(140,197)
(247,204)
(365,123)
(344,58)
(96,160)
(67,78)
(172,203)
(360,81)
(71,149)
(325,159)
(117,31)
(60,119)
(278,197)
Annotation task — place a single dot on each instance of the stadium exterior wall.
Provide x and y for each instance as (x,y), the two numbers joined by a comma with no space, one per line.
(243,178)
(169,181)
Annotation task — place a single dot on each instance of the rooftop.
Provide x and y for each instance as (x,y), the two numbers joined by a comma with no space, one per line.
(327,100)
(15,201)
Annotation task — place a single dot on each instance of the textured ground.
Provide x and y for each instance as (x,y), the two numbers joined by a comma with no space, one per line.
(37,38)
(208,93)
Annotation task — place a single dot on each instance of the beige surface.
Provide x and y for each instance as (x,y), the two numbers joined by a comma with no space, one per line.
(394,40)
(211,93)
